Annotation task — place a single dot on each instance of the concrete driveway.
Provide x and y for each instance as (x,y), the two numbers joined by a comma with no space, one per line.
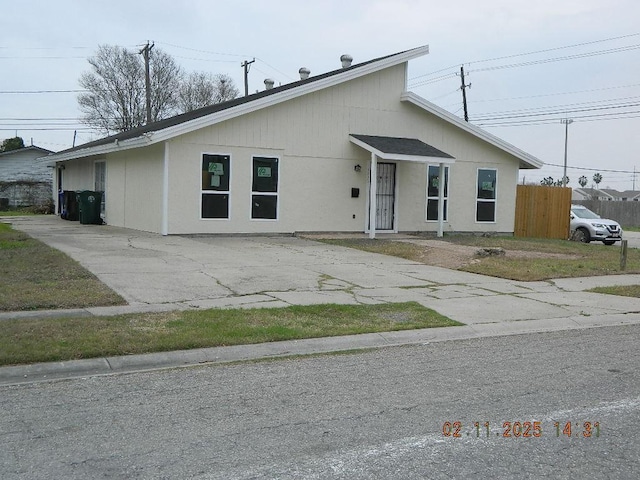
(153,272)
(204,271)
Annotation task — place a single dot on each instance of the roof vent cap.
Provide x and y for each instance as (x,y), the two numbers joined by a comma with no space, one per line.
(268,83)
(304,73)
(346,60)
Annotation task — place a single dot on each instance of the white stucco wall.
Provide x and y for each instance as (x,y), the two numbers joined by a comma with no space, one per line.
(310,136)
(134,188)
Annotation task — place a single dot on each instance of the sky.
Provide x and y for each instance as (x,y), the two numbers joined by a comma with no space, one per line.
(529,65)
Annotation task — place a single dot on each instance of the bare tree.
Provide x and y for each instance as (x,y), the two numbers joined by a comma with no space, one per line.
(166,77)
(116,97)
(200,89)
(115,100)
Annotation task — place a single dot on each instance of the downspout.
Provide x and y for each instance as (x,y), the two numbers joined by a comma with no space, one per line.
(165,191)
(441,186)
(373,184)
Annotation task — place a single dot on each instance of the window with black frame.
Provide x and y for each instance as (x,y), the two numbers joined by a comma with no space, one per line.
(486,195)
(264,189)
(216,172)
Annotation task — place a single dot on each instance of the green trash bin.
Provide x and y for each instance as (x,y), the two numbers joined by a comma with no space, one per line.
(89,205)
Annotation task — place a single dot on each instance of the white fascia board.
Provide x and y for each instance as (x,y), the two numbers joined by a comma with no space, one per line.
(420,159)
(526,160)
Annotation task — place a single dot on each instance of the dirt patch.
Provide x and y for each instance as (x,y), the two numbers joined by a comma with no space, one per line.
(450,255)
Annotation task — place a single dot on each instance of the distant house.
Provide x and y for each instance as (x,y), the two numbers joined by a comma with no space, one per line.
(300,158)
(25,181)
(590,194)
(629,196)
(605,194)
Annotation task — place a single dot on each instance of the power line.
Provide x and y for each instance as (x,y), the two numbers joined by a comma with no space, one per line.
(559,59)
(556,94)
(579,118)
(29,92)
(539,112)
(589,169)
(203,51)
(530,53)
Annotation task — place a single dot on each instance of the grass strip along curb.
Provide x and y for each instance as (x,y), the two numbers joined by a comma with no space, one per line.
(37,340)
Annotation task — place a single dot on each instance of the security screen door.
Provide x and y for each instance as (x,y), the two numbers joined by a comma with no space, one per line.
(385,196)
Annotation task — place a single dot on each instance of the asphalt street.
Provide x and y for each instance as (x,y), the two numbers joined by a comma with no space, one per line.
(372,414)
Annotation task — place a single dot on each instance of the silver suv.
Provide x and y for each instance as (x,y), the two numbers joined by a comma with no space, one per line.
(587,226)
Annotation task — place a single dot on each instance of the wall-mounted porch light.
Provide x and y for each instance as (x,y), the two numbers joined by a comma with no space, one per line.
(357,168)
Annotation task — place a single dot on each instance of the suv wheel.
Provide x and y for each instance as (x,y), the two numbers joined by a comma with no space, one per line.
(582,235)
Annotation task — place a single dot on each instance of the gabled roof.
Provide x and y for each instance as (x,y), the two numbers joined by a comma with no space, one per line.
(593,192)
(187,122)
(394,148)
(526,160)
(31,148)
(629,194)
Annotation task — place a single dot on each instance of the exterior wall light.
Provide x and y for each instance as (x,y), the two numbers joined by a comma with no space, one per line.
(357,168)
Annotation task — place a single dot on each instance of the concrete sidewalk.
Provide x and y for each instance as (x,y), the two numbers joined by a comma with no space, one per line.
(155,273)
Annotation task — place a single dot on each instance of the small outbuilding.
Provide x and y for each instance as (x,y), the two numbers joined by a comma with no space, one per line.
(25,181)
(350,150)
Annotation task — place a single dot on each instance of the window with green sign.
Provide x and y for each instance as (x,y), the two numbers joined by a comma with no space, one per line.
(215,174)
(264,198)
(486,195)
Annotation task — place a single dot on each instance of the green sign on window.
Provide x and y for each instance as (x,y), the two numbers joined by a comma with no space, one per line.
(264,172)
(488,186)
(216,168)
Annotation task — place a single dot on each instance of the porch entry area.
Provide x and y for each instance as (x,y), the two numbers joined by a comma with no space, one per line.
(382,191)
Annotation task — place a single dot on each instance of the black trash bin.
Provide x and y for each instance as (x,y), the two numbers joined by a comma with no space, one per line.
(89,203)
(69,205)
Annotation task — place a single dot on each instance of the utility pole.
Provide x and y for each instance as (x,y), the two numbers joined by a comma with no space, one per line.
(634,178)
(464,94)
(567,122)
(147,80)
(246,66)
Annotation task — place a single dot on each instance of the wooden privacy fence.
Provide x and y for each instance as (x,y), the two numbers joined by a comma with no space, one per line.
(542,212)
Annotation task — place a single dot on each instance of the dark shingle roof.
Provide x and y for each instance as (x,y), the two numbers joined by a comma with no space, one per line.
(401,146)
(201,112)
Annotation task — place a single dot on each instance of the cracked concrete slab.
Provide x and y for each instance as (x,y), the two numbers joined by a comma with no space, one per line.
(316,298)
(369,276)
(494,309)
(588,300)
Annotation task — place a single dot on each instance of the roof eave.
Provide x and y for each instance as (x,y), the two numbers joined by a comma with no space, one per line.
(527,161)
(142,141)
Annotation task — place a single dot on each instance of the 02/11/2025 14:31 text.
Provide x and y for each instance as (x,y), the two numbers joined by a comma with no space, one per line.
(526,429)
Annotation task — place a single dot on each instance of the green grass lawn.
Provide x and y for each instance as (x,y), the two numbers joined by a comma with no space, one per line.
(623,290)
(34,276)
(39,340)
